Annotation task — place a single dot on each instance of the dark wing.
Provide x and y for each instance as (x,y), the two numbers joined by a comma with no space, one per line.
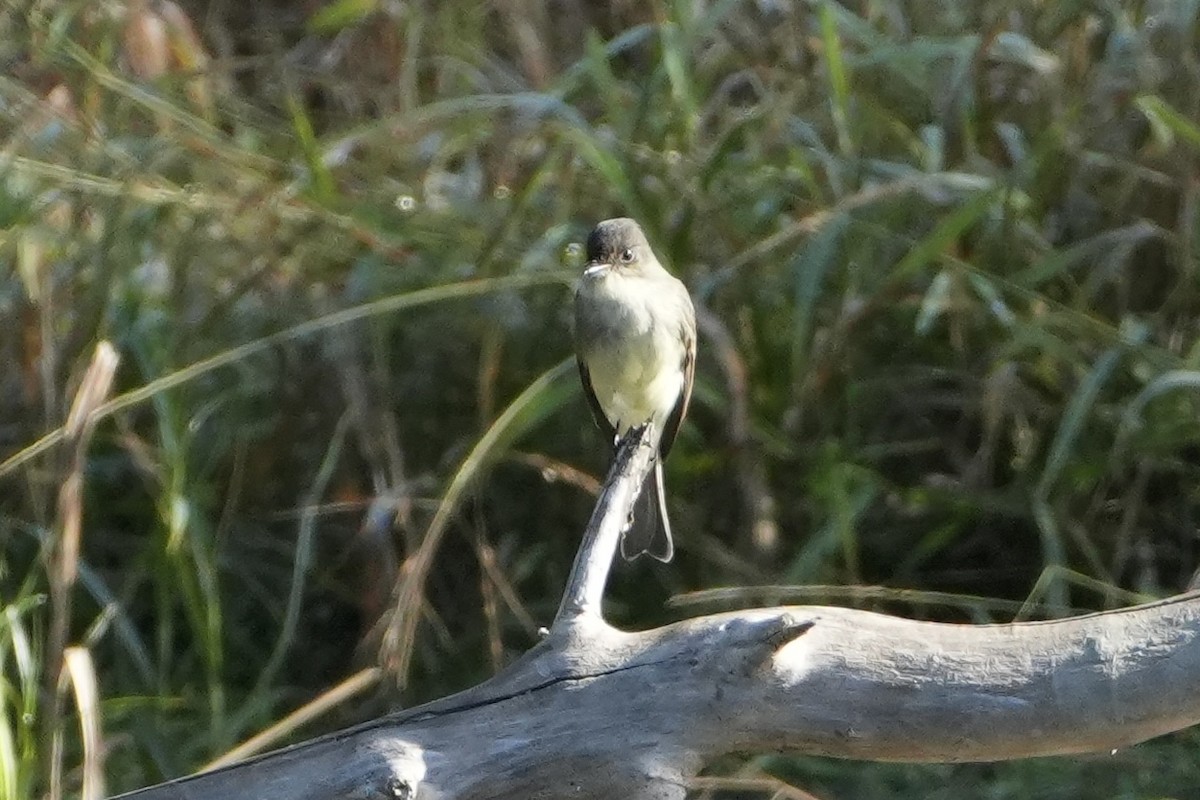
(597,413)
(687,330)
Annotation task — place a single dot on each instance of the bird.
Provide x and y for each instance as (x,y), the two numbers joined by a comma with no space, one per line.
(635,345)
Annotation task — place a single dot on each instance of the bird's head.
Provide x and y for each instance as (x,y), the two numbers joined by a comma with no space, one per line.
(618,245)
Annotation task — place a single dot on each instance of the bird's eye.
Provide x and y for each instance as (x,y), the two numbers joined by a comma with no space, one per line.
(627,256)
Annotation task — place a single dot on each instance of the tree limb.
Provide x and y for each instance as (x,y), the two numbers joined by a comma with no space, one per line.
(594,712)
(589,574)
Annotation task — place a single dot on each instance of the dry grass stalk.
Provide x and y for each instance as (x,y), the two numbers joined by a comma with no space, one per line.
(63,555)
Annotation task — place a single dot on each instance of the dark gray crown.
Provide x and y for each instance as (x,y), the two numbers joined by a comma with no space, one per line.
(612,237)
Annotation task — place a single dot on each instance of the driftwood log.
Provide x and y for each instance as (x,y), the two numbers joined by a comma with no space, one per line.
(595,712)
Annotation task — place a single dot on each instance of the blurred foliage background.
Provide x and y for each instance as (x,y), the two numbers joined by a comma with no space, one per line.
(945,260)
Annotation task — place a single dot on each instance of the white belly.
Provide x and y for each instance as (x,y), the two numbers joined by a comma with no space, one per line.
(637,369)
(635,384)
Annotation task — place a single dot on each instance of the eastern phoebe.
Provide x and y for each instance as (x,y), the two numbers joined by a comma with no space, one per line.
(635,342)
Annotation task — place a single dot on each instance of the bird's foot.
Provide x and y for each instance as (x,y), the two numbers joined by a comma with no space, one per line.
(640,432)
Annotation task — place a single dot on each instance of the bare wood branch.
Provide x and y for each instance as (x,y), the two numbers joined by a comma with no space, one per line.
(595,712)
(589,574)
(644,711)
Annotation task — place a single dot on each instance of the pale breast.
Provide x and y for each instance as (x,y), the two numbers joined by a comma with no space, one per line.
(635,362)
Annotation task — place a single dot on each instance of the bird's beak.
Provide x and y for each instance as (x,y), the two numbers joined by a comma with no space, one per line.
(595,268)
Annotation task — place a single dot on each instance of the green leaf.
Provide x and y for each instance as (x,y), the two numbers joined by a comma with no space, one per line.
(674,53)
(1166,122)
(935,302)
(991,296)
(1016,48)
(839,79)
(1074,416)
(809,270)
(321,178)
(341,14)
(947,232)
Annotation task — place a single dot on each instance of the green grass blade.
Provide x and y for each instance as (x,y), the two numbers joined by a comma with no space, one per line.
(1061,448)
(546,395)
(1168,122)
(341,14)
(954,225)
(839,79)
(386,305)
(1073,418)
(320,178)
(809,269)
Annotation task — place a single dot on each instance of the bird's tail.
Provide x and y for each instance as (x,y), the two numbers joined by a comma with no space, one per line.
(650,530)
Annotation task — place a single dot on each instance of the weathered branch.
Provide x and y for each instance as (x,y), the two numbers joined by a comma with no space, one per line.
(594,712)
(589,574)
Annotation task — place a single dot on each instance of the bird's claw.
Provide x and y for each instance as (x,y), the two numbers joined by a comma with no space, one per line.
(641,431)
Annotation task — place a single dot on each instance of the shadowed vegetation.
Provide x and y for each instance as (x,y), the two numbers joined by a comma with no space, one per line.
(944,257)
